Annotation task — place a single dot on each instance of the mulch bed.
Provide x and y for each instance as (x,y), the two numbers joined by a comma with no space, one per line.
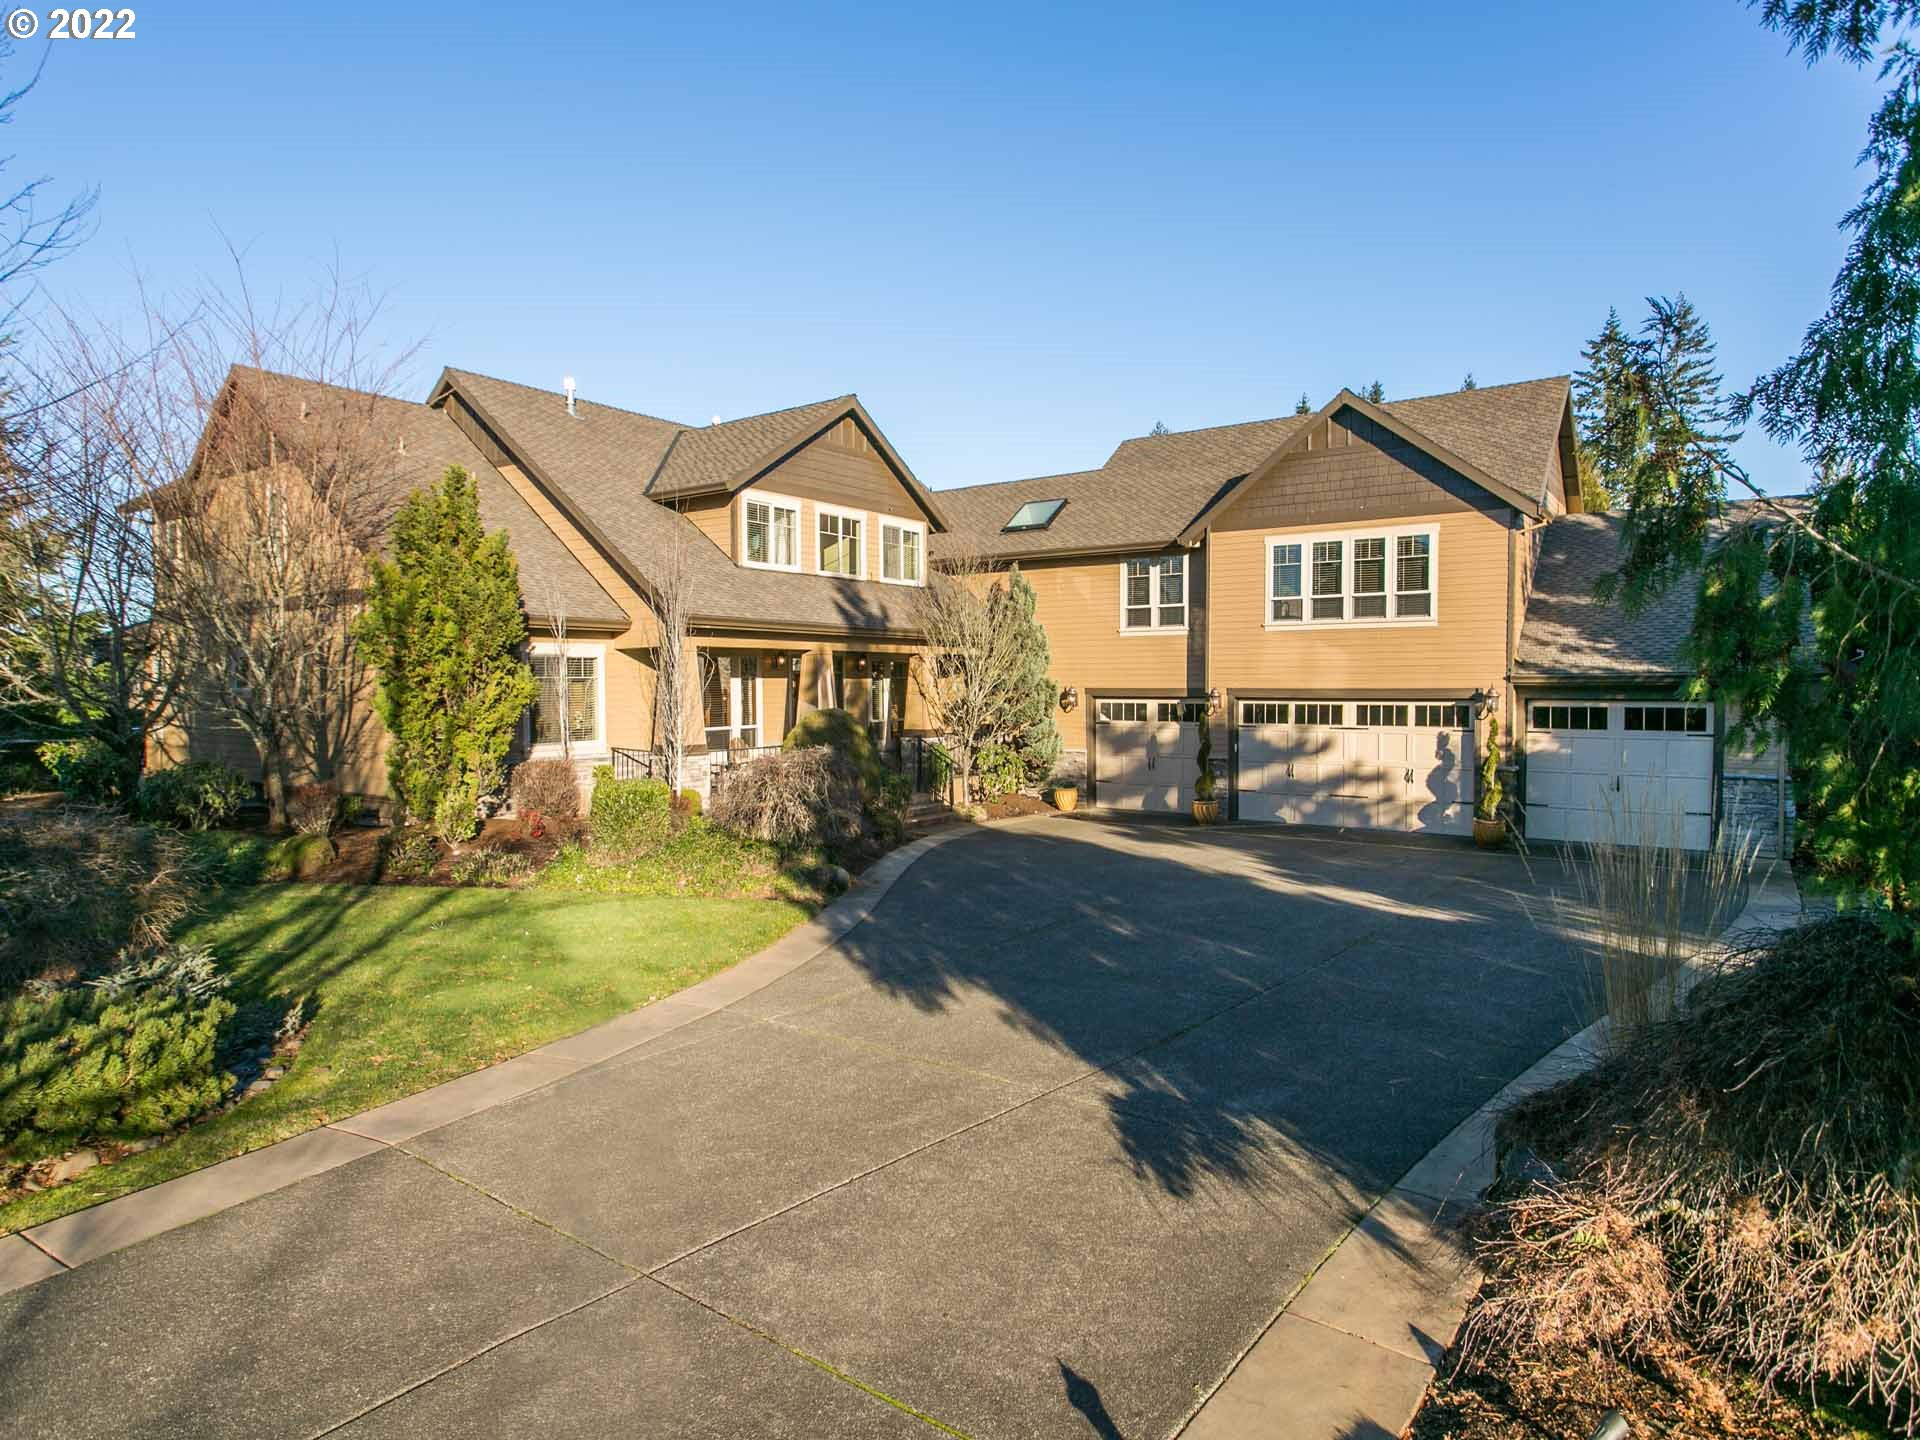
(357,852)
(1008,807)
(1510,1399)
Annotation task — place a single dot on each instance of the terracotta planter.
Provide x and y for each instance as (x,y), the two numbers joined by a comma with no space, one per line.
(1489,834)
(1206,812)
(1066,797)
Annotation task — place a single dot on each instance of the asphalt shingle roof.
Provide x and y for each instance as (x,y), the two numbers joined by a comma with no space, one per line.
(1154,486)
(602,460)
(712,457)
(424,443)
(1570,632)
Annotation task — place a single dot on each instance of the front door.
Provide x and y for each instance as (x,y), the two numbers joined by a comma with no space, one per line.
(730,693)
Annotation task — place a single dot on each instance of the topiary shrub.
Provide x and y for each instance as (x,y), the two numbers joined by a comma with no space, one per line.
(628,817)
(841,732)
(997,770)
(1486,802)
(1205,785)
(312,809)
(196,795)
(809,796)
(86,770)
(550,787)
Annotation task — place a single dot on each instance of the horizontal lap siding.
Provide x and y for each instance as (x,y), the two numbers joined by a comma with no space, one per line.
(841,468)
(1077,602)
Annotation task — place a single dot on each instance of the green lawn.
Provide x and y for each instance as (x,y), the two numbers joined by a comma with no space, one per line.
(410,986)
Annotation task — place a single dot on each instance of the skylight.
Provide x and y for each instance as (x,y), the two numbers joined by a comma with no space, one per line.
(1035,515)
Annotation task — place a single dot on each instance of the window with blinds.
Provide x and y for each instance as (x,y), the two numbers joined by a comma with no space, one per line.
(567,708)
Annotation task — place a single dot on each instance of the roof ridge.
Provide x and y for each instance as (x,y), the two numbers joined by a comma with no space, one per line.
(1018,480)
(1478,389)
(579,399)
(1203,429)
(783,410)
(326,385)
(1389,404)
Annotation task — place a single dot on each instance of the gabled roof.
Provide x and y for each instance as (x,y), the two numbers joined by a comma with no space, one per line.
(731,452)
(424,443)
(596,465)
(1158,490)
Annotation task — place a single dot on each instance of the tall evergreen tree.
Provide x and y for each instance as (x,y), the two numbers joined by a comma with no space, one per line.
(1469,383)
(1159,428)
(1303,406)
(443,629)
(1375,394)
(1027,722)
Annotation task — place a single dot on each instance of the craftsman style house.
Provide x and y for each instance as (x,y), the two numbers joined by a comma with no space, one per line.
(1344,597)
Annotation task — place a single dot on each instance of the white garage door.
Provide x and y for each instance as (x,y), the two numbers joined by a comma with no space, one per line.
(1620,770)
(1146,753)
(1398,765)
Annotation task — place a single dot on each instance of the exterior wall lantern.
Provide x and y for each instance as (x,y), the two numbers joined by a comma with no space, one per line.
(1482,702)
(1069,699)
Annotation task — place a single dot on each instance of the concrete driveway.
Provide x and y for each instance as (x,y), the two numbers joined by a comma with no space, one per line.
(1035,1151)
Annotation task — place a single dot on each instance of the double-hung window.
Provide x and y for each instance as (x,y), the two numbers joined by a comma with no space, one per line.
(1153,594)
(772,532)
(567,706)
(840,542)
(1365,577)
(902,545)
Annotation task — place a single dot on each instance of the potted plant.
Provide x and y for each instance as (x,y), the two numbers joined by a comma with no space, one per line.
(1066,797)
(1206,801)
(1489,826)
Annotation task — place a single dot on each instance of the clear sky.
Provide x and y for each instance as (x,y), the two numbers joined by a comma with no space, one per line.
(1021,234)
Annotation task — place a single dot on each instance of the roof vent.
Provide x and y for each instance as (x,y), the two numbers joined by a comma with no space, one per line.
(714,421)
(566,384)
(403,444)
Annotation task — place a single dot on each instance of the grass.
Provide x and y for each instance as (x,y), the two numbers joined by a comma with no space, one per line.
(702,860)
(413,985)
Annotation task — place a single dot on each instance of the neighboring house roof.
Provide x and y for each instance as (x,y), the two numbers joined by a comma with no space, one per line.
(1156,488)
(596,465)
(425,442)
(1568,632)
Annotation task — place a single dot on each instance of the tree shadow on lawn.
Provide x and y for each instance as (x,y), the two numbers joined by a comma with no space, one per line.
(1319,1004)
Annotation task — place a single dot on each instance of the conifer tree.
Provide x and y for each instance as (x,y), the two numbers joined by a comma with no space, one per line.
(1303,406)
(443,629)
(1375,394)
(1469,383)
(1027,722)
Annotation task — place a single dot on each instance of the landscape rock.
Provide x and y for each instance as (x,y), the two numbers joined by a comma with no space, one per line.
(73,1167)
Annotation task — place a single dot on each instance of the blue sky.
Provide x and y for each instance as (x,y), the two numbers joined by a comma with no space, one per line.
(1020,233)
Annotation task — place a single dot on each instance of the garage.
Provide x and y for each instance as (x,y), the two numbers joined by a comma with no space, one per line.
(1620,769)
(1146,753)
(1400,765)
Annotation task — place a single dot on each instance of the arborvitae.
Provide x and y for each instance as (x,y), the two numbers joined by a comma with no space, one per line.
(1031,698)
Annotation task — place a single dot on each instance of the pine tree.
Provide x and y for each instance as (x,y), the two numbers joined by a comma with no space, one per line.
(1159,428)
(443,629)
(1026,724)
(1469,383)
(1375,394)
(1303,406)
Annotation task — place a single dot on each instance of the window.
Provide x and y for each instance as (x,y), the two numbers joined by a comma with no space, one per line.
(1678,719)
(1319,714)
(1329,601)
(1570,717)
(1413,575)
(1123,709)
(1283,585)
(901,545)
(566,709)
(1190,712)
(1263,712)
(1370,578)
(1380,715)
(773,532)
(839,543)
(730,698)
(1035,515)
(1153,594)
(1442,717)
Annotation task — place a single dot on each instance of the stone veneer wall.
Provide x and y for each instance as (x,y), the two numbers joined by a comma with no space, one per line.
(1752,802)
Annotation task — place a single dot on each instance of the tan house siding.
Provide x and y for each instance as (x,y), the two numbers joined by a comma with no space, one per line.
(714,516)
(835,471)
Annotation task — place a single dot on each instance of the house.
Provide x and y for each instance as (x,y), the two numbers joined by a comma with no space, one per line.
(1344,599)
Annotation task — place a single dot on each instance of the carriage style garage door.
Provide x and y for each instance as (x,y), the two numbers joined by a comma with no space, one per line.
(1145,753)
(1372,766)
(1614,769)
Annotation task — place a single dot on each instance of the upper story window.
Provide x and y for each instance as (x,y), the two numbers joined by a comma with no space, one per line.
(903,546)
(1153,594)
(1370,577)
(772,524)
(841,538)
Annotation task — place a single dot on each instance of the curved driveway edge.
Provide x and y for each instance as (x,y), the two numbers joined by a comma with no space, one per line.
(1353,1349)
(46,1250)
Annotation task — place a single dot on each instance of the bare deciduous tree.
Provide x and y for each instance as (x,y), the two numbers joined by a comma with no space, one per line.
(669,599)
(973,661)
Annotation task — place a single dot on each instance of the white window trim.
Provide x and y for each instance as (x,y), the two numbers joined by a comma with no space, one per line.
(776,501)
(820,507)
(1306,540)
(1153,595)
(900,522)
(759,711)
(597,748)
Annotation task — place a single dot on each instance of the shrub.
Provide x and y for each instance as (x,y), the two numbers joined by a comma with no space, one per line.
(628,817)
(21,774)
(490,867)
(549,786)
(78,888)
(312,809)
(1743,1178)
(299,856)
(997,770)
(86,770)
(690,801)
(1487,798)
(349,810)
(409,854)
(1205,785)
(124,1064)
(196,795)
(799,796)
(844,734)
(456,814)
